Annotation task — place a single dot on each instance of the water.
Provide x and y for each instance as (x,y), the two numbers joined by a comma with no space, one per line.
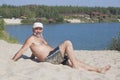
(95,36)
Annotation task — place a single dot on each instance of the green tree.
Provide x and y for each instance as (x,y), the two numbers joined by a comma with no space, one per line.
(2,25)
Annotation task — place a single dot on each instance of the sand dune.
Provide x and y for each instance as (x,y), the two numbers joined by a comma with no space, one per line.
(26,69)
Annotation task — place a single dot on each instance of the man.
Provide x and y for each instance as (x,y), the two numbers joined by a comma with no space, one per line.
(62,54)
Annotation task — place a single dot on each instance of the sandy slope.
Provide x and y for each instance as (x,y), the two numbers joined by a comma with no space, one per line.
(26,69)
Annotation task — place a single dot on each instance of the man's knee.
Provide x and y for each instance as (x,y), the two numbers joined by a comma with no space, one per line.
(68,42)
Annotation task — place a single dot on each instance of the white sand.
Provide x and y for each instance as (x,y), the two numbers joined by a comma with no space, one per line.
(12,21)
(73,20)
(26,69)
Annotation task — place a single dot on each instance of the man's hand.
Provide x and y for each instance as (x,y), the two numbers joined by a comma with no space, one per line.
(32,56)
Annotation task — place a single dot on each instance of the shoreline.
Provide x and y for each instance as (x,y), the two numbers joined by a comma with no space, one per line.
(17,21)
(12,21)
(74,21)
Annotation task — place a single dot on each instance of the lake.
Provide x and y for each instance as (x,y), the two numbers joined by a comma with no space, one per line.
(89,36)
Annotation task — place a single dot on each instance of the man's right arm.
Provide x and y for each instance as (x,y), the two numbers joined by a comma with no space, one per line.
(32,56)
(23,48)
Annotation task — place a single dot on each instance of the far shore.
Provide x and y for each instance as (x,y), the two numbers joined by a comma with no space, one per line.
(17,21)
(12,21)
(74,20)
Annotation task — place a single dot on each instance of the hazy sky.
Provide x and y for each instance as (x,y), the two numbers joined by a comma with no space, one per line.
(89,3)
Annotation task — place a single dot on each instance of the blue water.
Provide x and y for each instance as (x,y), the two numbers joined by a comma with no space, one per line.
(90,36)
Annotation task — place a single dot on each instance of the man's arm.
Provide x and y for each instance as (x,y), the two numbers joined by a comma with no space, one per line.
(23,48)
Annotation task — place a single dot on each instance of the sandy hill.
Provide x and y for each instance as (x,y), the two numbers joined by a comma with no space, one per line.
(26,69)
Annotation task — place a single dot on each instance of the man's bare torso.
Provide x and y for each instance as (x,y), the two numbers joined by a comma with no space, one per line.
(39,47)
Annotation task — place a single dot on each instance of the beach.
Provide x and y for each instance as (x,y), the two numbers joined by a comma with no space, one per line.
(12,21)
(27,69)
(73,20)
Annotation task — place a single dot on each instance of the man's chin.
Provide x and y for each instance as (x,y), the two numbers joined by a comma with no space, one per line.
(36,34)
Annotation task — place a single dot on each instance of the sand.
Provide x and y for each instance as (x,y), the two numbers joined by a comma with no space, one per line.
(26,69)
(12,21)
(73,20)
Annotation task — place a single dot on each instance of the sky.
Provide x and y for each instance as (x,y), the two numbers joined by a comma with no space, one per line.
(88,3)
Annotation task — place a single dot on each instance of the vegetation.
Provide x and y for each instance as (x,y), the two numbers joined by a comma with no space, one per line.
(48,14)
(55,14)
(115,43)
(4,35)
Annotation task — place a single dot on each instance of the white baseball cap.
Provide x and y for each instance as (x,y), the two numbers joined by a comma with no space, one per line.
(37,24)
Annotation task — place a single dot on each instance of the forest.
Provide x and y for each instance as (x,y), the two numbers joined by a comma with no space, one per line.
(54,13)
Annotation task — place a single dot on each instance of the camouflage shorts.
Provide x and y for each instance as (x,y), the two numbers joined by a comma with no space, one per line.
(55,57)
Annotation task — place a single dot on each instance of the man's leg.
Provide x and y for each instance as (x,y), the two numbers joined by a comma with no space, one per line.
(66,47)
(91,68)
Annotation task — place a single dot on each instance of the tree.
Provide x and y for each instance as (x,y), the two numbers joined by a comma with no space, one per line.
(2,25)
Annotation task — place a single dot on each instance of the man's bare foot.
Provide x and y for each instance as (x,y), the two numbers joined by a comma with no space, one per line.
(103,70)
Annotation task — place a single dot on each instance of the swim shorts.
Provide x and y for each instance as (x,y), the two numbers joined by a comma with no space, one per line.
(55,57)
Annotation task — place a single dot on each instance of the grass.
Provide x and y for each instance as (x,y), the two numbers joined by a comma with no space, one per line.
(115,43)
(5,36)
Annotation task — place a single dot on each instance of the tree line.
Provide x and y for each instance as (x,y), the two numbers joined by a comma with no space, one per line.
(54,12)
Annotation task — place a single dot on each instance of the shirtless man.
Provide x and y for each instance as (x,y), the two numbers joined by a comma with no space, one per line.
(62,54)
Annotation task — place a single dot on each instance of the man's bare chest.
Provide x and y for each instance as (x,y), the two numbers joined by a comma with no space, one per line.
(38,41)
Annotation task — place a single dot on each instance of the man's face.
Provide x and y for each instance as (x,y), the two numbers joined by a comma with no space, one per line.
(37,31)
